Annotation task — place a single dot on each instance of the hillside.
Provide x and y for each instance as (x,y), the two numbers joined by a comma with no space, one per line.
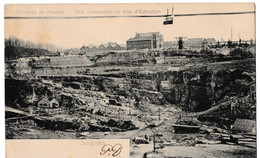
(12,52)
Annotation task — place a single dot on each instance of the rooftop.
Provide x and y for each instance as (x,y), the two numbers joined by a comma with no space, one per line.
(194,40)
(210,39)
(170,42)
(144,36)
(140,39)
(147,34)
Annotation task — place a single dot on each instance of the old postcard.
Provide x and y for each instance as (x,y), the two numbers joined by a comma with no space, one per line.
(130,80)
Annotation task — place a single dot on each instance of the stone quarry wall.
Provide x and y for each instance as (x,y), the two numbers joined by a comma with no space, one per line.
(193,89)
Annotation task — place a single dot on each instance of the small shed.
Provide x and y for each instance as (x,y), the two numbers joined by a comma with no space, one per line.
(244,126)
(117,47)
(54,103)
(44,103)
(101,47)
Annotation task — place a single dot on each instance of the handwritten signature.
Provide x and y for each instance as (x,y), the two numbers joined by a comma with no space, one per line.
(113,150)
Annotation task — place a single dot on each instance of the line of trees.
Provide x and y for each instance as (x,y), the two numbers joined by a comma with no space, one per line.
(14,41)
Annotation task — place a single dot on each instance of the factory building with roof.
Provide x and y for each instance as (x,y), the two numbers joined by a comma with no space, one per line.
(150,40)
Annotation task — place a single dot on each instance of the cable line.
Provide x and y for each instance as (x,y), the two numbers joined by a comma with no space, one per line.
(129,16)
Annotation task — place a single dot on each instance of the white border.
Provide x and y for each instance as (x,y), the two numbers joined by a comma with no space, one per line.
(2,105)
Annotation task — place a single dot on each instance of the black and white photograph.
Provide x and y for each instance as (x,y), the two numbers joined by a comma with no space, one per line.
(176,80)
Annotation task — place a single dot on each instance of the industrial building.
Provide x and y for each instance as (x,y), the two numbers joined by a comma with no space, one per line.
(198,43)
(110,46)
(150,40)
(170,45)
(193,43)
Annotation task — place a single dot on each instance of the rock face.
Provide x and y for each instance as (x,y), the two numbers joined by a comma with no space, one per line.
(193,89)
(126,56)
(43,66)
(195,85)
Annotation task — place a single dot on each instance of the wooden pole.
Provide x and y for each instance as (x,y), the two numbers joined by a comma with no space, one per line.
(230,119)
(231,112)
(129,102)
(154,142)
(159,110)
(119,115)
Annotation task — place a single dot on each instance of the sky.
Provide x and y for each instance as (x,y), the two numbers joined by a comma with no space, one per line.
(73,33)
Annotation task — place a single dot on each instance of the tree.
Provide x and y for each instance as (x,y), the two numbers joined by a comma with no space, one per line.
(229,44)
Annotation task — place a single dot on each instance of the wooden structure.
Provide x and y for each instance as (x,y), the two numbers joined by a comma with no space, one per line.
(44,103)
(244,126)
(54,103)
(185,128)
